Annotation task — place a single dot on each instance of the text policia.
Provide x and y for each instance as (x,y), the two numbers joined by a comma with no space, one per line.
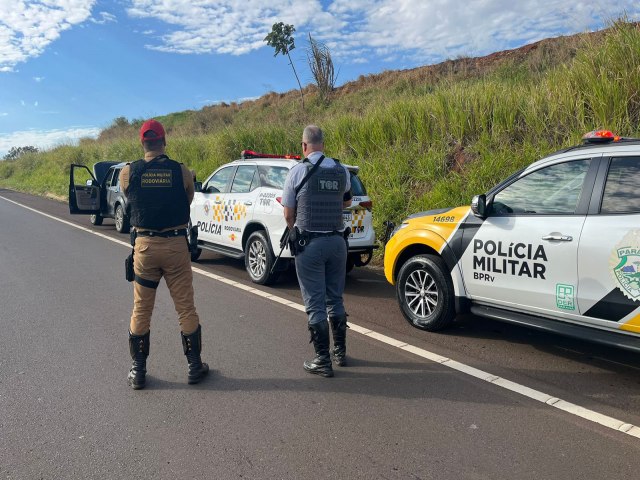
(519,259)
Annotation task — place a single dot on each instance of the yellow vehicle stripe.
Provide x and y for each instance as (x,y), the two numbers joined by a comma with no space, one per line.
(632,325)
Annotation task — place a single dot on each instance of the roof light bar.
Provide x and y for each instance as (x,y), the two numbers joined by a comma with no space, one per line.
(246,154)
(600,136)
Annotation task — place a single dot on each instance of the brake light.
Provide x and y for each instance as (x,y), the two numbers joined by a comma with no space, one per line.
(279,200)
(600,136)
(251,154)
(368,205)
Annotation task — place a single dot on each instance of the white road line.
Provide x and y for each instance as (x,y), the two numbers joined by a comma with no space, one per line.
(536,395)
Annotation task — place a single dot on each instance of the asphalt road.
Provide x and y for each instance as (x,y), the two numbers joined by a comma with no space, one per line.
(66,411)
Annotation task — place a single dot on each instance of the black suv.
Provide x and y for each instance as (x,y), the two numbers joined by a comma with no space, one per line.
(113,203)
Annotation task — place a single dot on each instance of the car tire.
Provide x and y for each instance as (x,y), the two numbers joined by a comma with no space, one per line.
(96,219)
(425,293)
(122,220)
(194,255)
(350,263)
(259,259)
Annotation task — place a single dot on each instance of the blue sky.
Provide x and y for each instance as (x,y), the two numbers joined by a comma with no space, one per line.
(69,67)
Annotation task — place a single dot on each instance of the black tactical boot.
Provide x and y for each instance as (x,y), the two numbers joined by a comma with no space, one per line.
(192,345)
(339,328)
(321,365)
(139,350)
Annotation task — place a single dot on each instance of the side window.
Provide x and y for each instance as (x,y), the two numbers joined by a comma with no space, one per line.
(116,177)
(272,177)
(108,182)
(219,180)
(243,181)
(621,194)
(357,188)
(553,190)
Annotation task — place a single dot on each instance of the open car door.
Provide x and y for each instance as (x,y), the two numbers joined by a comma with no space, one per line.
(84,197)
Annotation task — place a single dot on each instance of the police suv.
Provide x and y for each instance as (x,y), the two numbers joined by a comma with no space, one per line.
(555,246)
(237,212)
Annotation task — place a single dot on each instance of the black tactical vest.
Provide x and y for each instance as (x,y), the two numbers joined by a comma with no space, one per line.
(156,198)
(320,200)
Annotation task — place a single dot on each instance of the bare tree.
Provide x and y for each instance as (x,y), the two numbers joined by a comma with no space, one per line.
(281,38)
(321,66)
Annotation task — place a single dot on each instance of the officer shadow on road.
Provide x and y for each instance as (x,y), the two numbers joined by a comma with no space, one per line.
(363,378)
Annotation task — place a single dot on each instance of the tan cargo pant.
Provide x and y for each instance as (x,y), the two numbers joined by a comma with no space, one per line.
(154,258)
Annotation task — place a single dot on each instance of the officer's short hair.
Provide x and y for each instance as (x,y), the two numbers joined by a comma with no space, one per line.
(313,135)
(152,142)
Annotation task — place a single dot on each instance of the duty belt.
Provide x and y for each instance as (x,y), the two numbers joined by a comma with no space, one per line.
(180,232)
(311,235)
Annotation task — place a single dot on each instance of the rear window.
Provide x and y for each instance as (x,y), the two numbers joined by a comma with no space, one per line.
(357,188)
(272,177)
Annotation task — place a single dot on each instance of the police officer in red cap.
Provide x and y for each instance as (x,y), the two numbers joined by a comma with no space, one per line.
(159,191)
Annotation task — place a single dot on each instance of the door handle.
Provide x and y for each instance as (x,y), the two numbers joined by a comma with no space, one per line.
(218,201)
(248,203)
(558,238)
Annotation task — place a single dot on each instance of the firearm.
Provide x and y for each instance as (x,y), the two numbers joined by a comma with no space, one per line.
(129,273)
(345,235)
(284,240)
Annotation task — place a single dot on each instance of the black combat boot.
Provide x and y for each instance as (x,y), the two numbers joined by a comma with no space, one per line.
(321,365)
(339,328)
(192,345)
(139,350)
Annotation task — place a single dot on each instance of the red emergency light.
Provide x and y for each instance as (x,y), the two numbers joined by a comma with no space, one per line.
(600,136)
(246,154)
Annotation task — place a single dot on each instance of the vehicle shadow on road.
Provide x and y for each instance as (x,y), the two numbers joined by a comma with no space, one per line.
(469,326)
(360,282)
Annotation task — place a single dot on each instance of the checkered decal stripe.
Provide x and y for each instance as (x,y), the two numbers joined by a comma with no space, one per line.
(358,218)
(234,210)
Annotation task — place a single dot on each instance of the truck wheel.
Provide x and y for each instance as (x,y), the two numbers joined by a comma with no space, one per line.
(258,259)
(425,293)
(122,221)
(96,219)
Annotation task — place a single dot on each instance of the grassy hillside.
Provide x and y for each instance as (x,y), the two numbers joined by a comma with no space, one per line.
(424,138)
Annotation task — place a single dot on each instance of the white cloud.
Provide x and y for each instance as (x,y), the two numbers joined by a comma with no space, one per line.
(44,139)
(237,100)
(27,27)
(3,114)
(224,26)
(354,30)
(38,79)
(105,17)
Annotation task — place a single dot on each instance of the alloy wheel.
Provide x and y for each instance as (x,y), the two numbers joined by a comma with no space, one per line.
(257,259)
(421,293)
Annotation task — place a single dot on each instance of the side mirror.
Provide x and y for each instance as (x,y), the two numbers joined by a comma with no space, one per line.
(197,186)
(479,206)
(212,189)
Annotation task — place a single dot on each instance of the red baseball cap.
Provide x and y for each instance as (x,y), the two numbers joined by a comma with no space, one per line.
(151,126)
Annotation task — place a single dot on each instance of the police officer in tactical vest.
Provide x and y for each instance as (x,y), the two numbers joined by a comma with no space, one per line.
(316,192)
(159,191)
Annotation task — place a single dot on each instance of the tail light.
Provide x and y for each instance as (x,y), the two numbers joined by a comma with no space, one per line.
(279,200)
(368,205)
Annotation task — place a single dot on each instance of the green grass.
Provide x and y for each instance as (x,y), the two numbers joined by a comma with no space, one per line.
(421,142)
